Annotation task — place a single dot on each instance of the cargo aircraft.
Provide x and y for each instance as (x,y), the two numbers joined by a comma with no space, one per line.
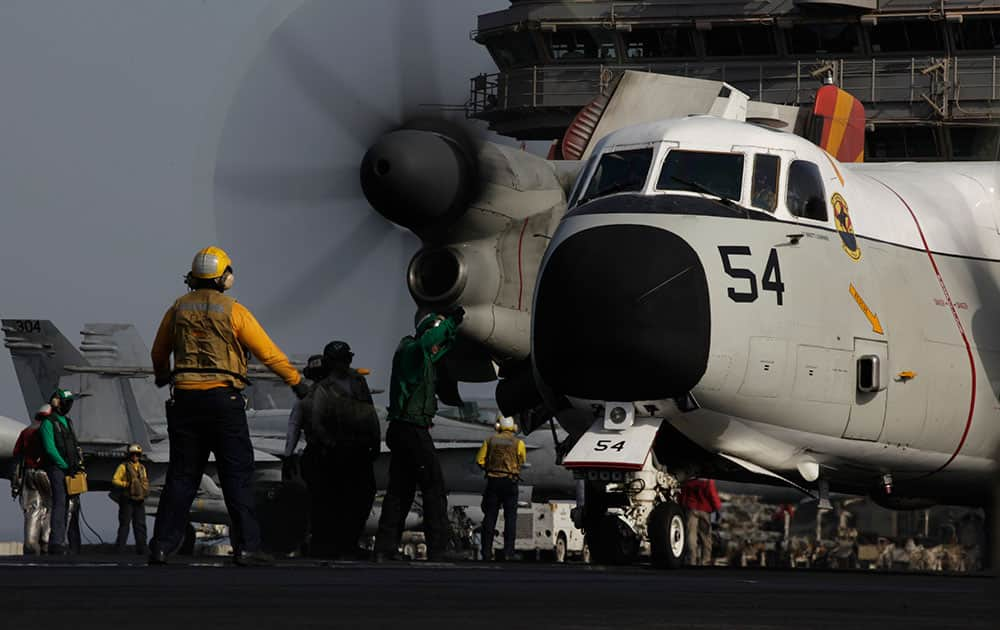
(733,294)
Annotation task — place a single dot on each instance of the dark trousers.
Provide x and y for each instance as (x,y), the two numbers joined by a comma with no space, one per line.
(200,423)
(414,463)
(131,513)
(500,492)
(60,508)
(341,483)
(73,524)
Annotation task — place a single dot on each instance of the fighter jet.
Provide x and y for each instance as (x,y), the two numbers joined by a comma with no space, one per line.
(120,405)
(714,296)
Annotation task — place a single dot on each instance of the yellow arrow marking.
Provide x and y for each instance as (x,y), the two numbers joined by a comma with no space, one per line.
(872,317)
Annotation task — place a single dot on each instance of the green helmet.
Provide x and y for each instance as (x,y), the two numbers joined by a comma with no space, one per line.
(428,321)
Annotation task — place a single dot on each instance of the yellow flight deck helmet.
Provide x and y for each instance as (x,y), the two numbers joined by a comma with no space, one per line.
(134,448)
(210,263)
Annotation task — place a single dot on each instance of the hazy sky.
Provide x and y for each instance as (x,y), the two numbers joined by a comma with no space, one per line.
(134,133)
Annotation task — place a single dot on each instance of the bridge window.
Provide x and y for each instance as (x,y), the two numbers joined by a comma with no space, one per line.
(973,34)
(513,49)
(974,143)
(646,43)
(764,192)
(737,41)
(619,171)
(570,44)
(806,197)
(718,174)
(819,39)
(902,142)
(895,36)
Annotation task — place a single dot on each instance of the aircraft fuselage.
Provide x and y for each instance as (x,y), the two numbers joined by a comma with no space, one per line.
(857,334)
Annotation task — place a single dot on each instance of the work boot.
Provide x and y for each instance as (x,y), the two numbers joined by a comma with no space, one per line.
(157,557)
(253,559)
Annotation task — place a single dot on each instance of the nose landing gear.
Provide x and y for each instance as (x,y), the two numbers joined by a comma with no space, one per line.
(667,535)
(635,517)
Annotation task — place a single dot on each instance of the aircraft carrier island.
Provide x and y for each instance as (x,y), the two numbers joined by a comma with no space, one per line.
(926,72)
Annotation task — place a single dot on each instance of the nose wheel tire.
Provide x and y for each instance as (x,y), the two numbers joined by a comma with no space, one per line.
(667,535)
(561,549)
(612,541)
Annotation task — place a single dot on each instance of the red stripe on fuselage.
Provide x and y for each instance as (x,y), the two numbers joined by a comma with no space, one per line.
(520,273)
(958,322)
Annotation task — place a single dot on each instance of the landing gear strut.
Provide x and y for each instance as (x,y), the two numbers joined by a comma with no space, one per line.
(612,541)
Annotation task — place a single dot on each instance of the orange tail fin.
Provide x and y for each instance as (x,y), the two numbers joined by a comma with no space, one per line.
(842,133)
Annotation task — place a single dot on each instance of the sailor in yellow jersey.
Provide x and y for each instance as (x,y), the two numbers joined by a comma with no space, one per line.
(501,457)
(209,335)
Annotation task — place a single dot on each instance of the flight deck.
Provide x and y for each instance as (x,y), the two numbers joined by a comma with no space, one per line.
(94,592)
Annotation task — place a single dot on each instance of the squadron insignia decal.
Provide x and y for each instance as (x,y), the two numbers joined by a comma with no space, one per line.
(845,227)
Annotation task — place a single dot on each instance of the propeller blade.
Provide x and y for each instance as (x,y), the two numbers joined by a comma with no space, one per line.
(306,184)
(324,87)
(323,276)
(416,62)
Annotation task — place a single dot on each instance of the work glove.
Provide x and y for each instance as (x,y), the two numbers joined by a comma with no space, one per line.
(457,314)
(301,389)
(162,381)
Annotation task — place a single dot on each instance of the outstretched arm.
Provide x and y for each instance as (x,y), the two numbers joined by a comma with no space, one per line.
(253,337)
(437,341)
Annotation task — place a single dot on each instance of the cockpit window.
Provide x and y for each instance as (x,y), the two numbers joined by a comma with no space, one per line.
(619,171)
(764,191)
(719,174)
(806,197)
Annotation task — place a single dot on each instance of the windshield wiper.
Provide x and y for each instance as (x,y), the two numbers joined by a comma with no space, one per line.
(607,190)
(713,196)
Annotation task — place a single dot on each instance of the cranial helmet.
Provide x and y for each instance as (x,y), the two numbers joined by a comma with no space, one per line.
(314,368)
(209,263)
(43,412)
(337,351)
(428,321)
(134,448)
(65,398)
(505,423)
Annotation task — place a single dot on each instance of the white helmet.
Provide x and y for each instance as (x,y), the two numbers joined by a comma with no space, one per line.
(505,423)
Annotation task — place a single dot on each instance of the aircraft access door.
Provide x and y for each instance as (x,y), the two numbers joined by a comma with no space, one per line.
(871,376)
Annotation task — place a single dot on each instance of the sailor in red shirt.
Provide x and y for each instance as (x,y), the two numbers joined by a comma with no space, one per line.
(700,498)
(31,484)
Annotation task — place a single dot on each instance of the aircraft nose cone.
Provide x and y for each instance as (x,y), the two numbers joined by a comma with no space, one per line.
(416,178)
(622,313)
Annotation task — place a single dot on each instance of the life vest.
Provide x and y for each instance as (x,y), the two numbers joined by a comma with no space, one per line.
(65,441)
(204,343)
(334,416)
(137,487)
(501,455)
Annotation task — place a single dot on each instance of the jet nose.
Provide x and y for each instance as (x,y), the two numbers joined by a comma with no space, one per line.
(622,313)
